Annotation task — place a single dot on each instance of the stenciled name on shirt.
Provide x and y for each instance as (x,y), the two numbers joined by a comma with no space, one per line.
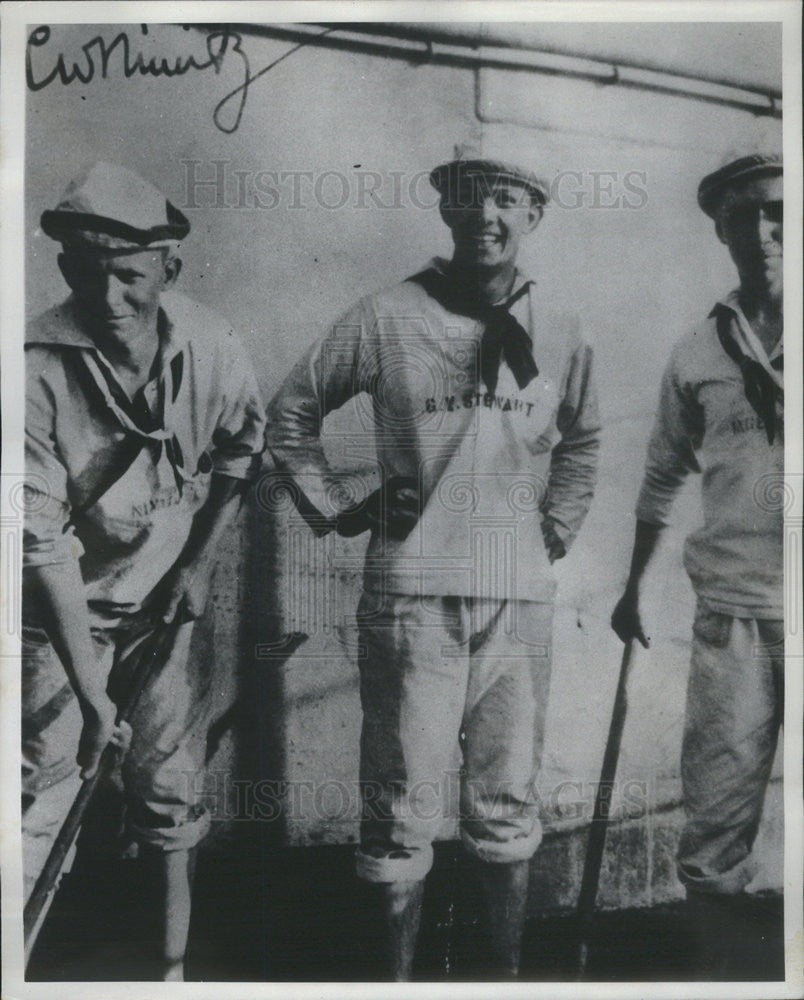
(473,400)
(164,498)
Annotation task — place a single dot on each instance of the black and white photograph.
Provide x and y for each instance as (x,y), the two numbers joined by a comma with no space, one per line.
(401,513)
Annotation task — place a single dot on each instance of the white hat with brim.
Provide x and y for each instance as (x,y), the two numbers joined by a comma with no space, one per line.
(736,171)
(495,154)
(109,207)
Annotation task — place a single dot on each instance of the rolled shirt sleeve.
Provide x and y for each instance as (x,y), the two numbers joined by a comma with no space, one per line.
(574,460)
(676,436)
(48,538)
(323,380)
(238,438)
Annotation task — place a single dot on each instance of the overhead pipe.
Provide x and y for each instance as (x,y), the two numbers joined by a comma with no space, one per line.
(345,37)
(495,35)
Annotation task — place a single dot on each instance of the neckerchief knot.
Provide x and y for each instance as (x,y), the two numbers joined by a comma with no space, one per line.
(135,417)
(761,391)
(503,336)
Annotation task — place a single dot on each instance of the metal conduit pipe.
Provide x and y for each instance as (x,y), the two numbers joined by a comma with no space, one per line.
(345,37)
(503,36)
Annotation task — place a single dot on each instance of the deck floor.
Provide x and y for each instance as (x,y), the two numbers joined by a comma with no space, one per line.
(282,915)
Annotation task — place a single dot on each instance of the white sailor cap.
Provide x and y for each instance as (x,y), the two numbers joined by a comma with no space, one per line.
(496,152)
(758,154)
(108,207)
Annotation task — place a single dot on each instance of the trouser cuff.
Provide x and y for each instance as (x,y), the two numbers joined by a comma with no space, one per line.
(521,848)
(173,838)
(412,867)
(728,883)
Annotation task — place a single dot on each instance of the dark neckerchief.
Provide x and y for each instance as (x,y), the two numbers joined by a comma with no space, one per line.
(760,389)
(503,336)
(134,414)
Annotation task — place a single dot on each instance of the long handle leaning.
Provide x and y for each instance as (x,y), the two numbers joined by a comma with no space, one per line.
(147,668)
(600,816)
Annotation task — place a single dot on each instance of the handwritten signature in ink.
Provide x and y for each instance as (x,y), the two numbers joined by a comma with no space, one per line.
(101,57)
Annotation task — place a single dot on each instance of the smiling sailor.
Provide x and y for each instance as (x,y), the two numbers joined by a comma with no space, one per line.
(143,422)
(487,433)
